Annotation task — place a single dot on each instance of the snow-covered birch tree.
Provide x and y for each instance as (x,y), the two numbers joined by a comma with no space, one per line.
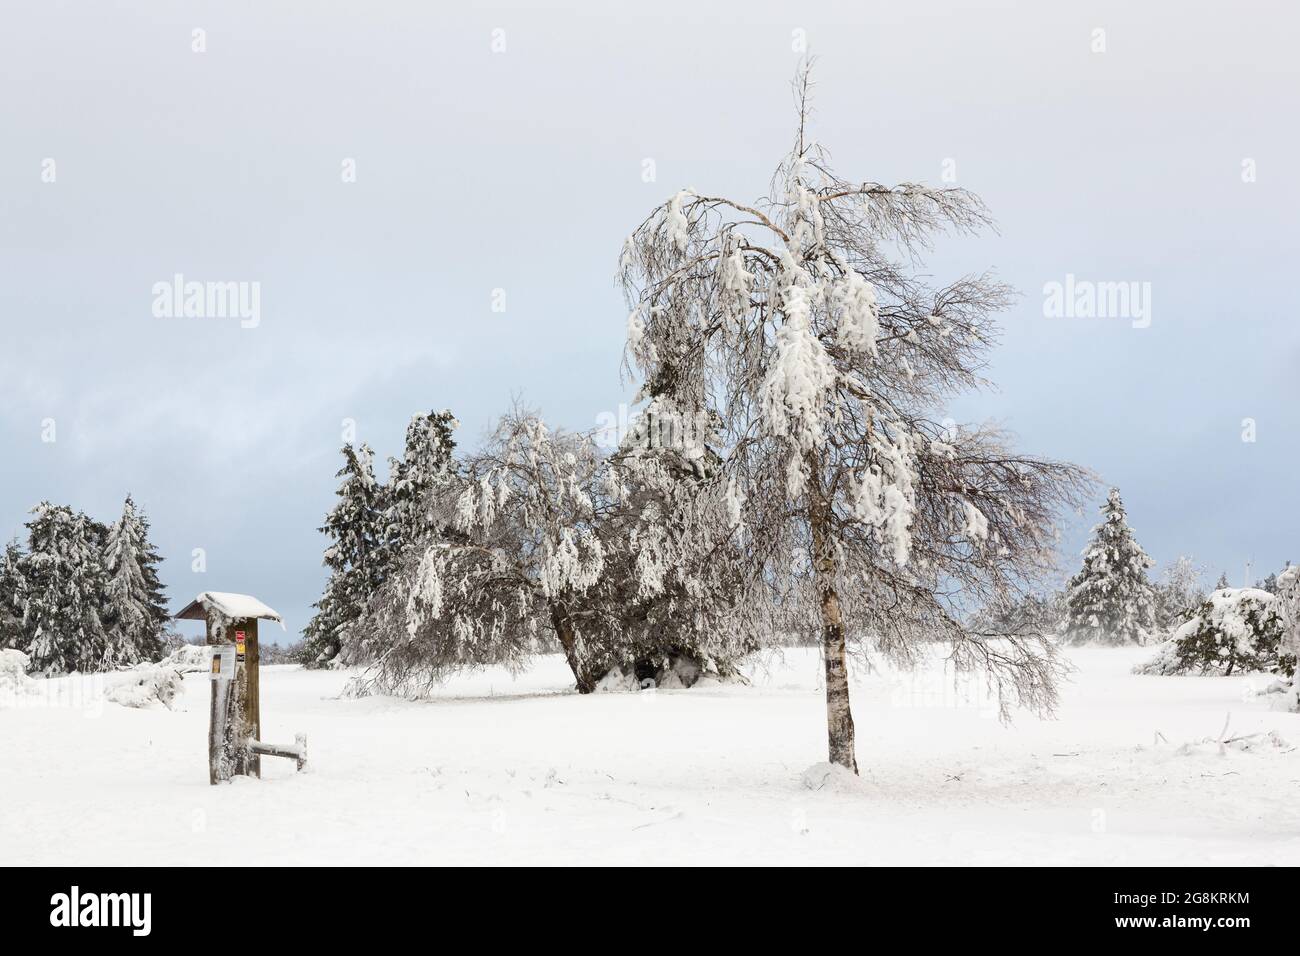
(799,329)
(1179,594)
(518,554)
(624,563)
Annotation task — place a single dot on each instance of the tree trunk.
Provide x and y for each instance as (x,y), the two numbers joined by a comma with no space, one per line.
(839,716)
(569,641)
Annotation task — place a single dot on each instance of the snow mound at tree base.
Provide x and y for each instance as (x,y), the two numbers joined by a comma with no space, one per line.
(617,682)
(668,672)
(832,778)
(679,673)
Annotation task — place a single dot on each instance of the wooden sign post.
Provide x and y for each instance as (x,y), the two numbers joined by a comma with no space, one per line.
(235,716)
(235,746)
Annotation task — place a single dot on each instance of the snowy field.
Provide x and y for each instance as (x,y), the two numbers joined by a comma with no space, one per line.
(502,770)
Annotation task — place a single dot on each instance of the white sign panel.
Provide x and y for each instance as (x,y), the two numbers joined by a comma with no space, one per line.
(223,662)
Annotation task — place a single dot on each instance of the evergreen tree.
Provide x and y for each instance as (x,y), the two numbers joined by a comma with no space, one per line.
(355,529)
(1110,600)
(64,584)
(1222,583)
(413,479)
(11,593)
(135,613)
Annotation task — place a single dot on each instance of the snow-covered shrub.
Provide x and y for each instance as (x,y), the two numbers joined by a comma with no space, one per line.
(271,654)
(146,685)
(191,659)
(1235,630)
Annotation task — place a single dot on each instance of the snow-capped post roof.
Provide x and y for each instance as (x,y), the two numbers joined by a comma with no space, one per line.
(234,607)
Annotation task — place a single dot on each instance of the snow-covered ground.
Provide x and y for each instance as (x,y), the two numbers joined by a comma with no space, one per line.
(499,770)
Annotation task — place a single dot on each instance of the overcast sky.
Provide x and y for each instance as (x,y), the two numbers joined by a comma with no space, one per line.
(523,169)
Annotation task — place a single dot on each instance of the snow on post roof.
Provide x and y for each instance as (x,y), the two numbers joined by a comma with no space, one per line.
(233,606)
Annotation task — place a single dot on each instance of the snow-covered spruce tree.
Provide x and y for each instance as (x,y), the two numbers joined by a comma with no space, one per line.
(795,325)
(1235,630)
(425,466)
(134,615)
(1111,600)
(355,529)
(11,597)
(64,584)
(517,552)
